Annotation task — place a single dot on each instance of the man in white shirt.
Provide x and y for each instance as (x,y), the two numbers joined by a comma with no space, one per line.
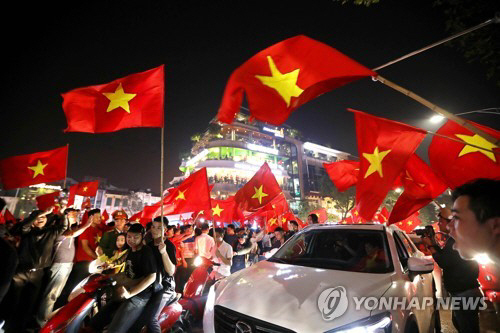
(204,244)
(223,255)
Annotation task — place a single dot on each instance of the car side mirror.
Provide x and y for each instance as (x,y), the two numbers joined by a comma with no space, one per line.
(420,265)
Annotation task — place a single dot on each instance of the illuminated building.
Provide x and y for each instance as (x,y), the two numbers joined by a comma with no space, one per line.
(233,153)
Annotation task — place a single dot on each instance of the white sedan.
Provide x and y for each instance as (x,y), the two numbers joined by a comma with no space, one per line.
(329,278)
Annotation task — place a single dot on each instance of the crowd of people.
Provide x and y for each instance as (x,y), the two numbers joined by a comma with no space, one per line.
(50,252)
(46,255)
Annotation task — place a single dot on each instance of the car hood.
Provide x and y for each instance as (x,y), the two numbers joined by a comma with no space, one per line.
(287,295)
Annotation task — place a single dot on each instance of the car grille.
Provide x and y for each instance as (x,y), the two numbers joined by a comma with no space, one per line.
(225,320)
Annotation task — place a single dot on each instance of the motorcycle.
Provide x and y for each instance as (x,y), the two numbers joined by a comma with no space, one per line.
(93,292)
(197,287)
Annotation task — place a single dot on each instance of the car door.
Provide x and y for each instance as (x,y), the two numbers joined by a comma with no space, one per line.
(420,286)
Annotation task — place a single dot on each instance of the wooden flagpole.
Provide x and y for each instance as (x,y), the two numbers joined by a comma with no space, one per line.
(438,109)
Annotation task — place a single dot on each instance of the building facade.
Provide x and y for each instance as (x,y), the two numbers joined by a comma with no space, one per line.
(233,153)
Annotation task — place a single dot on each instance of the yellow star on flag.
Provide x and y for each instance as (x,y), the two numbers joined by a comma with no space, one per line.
(85,189)
(408,176)
(284,84)
(375,160)
(479,141)
(273,221)
(217,210)
(409,222)
(181,196)
(356,213)
(38,168)
(259,194)
(283,220)
(119,99)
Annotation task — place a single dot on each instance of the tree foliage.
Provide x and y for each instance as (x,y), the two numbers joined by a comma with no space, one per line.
(343,201)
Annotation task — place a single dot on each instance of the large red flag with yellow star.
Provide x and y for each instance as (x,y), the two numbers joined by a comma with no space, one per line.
(279,79)
(343,174)
(133,101)
(259,191)
(193,194)
(384,148)
(225,211)
(421,187)
(30,169)
(457,162)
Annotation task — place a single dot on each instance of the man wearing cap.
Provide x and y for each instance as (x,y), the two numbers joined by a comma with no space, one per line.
(107,244)
(459,276)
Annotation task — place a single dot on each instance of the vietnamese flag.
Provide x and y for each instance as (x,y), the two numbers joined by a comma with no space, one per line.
(30,169)
(410,223)
(104,216)
(279,79)
(87,189)
(343,174)
(384,148)
(48,200)
(421,187)
(136,217)
(225,210)
(7,216)
(132,101)
(321,214)
(259,191)
(193,194)
(456,163)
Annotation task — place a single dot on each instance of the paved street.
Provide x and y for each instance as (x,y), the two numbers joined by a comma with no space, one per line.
(489,322)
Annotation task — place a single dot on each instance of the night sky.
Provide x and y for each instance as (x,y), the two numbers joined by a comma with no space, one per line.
(48,51)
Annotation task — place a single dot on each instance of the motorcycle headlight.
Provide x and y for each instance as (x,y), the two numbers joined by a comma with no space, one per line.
(197,261)
(380,323)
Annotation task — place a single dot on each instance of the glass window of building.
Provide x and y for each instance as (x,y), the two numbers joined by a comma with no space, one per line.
(118,202)
(109,201)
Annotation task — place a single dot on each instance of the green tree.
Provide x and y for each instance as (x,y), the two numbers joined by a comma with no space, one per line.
(343,201)
(305,206)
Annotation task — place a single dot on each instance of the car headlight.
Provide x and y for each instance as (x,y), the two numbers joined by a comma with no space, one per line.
(380,323)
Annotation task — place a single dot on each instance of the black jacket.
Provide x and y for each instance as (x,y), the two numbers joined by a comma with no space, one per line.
(458,274)
(35,249)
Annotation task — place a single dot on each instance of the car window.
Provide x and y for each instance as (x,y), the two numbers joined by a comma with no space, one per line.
(407,243)
(402,253)
(340,249)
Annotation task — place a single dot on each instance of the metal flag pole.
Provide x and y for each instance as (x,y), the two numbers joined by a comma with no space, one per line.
(67,158)
(161,177)
(427,103)
(496,19)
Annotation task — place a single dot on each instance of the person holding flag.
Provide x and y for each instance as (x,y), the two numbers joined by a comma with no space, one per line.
(64,253)
(223,255)
(38,233)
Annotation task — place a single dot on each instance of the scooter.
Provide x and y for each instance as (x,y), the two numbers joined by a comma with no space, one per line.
(197,287)
(91,294)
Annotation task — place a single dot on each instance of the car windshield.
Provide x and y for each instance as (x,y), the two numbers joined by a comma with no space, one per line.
(351,250)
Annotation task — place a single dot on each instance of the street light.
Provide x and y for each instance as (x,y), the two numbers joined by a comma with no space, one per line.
(435,119)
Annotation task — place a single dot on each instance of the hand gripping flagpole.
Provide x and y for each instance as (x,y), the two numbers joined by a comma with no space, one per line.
(425,102)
